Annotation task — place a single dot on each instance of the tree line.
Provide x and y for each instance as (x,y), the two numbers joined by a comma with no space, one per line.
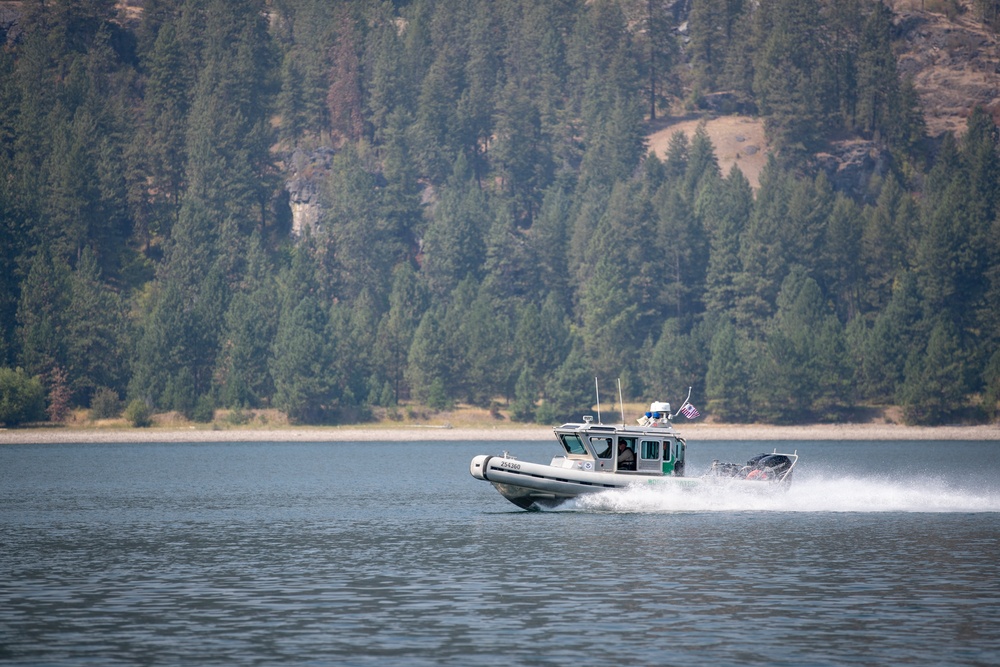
(493,227)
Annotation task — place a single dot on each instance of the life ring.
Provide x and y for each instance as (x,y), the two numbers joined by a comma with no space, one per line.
(759,475)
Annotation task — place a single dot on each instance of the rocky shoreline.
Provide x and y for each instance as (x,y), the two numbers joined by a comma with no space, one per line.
(693,433)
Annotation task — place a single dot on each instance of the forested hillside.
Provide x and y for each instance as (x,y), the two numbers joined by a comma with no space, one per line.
(477,217)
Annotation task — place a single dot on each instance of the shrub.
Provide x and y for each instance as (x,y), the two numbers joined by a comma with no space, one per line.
(204,410)
(105,404)
(138,414)
(237,417)
(546,414)
(22,398)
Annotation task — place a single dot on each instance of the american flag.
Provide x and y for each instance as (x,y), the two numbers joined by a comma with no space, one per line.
(690,411)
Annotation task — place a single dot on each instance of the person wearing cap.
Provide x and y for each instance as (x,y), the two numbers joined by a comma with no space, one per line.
(626,457)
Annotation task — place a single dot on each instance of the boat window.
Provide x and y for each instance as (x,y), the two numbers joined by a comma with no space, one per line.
(650,449)
(572,443)
(603,447)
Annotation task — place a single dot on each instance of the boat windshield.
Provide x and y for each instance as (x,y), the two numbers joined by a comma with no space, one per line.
(572,444)
(603,447)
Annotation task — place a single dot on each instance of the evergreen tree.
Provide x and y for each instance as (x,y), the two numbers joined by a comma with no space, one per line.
(881,352)
(41,313)
(790,71)
(299,362)
(508,268)
(454,242)
(653,29)
(95,333)
(838,269)
(520,155)
(389,90)
(407,303)
(428,362)
(486,337)
(878,84)
(170,80)
(568,392)
(933,389)
(229,135)
(353,225)
(243,377)
(352,328)
(436,146)
(883,256)
(549,237)
(805,375)
(730,383)
(726,221)
(540,340)
(675,362)
(344,98)
(712,25)
(764,251)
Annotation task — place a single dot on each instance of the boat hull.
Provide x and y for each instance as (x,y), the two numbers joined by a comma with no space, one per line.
(539,486)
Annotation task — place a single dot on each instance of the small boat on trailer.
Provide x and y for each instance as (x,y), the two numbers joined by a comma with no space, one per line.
(599,457)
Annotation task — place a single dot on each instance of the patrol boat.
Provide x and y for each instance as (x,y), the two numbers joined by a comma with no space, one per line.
(600,457)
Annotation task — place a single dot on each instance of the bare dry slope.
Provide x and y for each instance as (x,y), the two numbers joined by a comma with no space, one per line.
(954,64)
(737,139)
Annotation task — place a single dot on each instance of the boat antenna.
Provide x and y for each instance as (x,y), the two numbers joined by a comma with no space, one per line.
(621,405)
(598,391)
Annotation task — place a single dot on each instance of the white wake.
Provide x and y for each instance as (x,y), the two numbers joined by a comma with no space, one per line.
(843,494)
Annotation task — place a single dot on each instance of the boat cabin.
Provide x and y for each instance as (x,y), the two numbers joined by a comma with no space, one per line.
(650,451)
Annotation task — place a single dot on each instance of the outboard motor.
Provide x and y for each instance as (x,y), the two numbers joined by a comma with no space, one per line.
(768,467)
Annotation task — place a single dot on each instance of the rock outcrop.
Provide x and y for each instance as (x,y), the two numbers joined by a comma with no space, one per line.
(306,170)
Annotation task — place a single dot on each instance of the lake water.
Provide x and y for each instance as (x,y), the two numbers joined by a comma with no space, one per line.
(391,553)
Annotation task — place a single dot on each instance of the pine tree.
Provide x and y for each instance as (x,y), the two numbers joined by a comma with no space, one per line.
(653,27)
(805,376)
(541,339)
(353,225)
(726,222)
(883,255)
(568,393)
(790,71)
(299,359)
(454,242)
(730,385)
(712,25)
(763,251)
(229,135)
(95,333)
(838,268)
(41,313)
(167,102)
(933,389)
(344,98)
(407,303)
(486,343)
(242,375)
(884,349)
(877,81)
(427,362)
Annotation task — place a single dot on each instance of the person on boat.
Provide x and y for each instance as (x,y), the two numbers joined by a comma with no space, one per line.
(626,457)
